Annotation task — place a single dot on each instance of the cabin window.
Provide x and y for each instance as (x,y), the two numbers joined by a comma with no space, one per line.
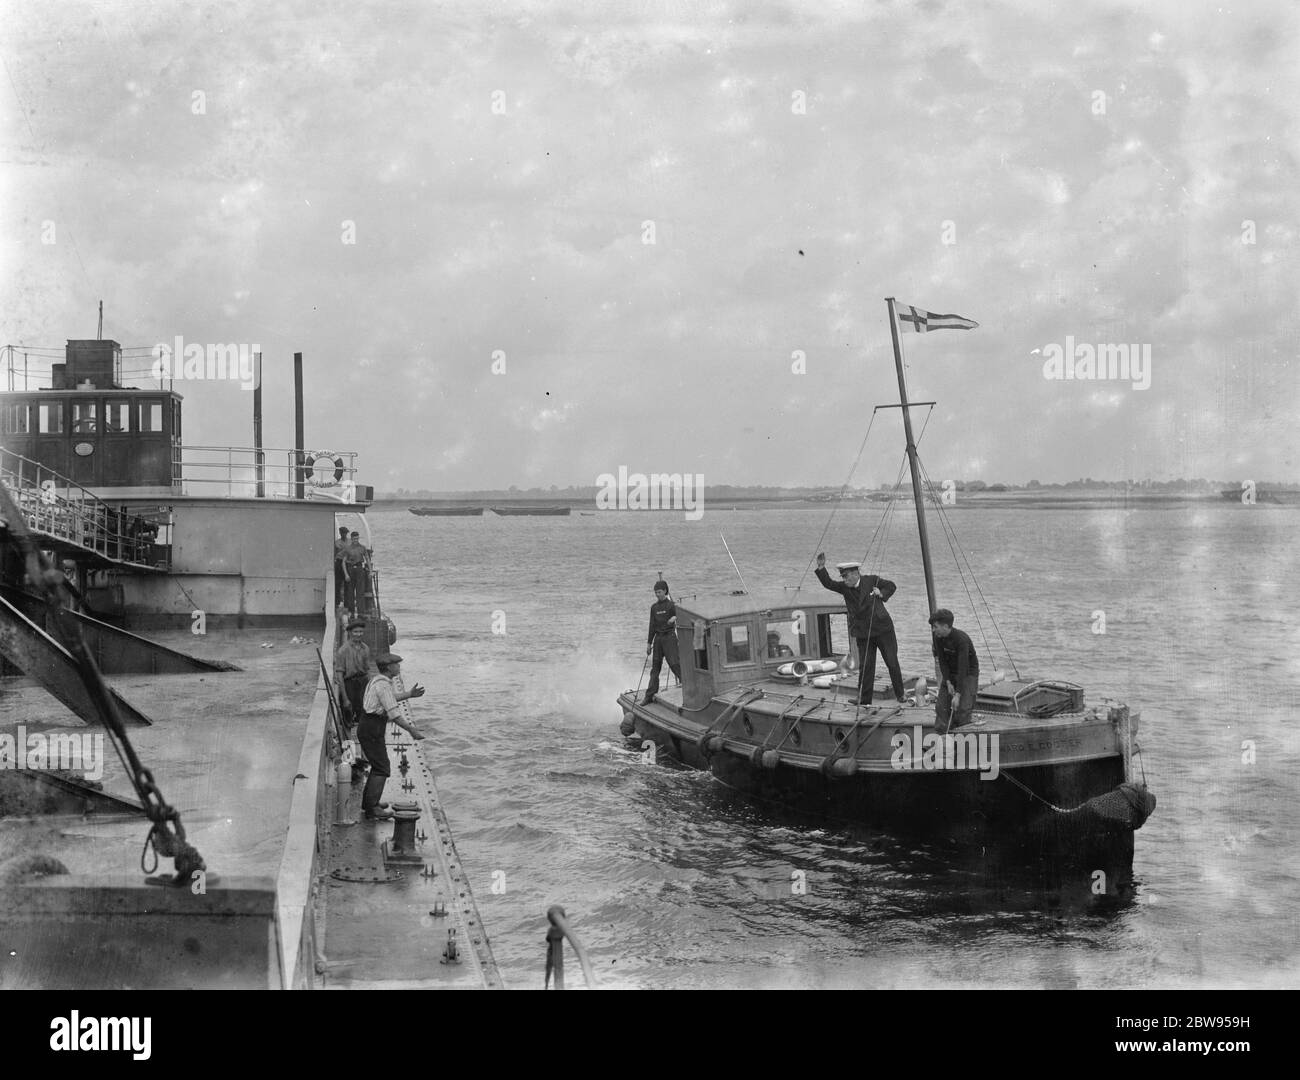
(150,414)
(833,635)
(702,655)
(16,419)
(738,644)
(115,417)
(49,417)
(85,417)
(786,640)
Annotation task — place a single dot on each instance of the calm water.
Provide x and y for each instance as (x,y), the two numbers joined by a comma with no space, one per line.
(673,881)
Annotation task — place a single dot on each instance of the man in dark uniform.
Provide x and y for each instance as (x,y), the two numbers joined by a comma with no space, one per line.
(869,623)
(663,639)
(959,669)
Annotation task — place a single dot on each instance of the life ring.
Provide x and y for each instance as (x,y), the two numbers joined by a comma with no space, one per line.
(315,479)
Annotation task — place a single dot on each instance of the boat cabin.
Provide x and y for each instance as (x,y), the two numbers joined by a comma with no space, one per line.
(88,427)
(729,640)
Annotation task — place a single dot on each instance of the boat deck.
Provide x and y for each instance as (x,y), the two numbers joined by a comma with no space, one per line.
(223,749)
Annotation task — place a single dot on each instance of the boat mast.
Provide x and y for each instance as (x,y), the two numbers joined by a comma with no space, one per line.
(911,460)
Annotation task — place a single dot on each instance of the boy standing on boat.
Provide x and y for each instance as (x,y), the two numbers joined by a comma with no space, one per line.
(663,639)
(381,707)
(869,623)
(959,668)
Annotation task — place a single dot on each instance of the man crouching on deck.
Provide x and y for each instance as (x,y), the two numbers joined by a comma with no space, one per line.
(959,669)
(380,705)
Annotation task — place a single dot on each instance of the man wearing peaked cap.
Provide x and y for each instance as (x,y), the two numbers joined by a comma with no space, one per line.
(662,641)
(869,623)
(381,705)
(959,667)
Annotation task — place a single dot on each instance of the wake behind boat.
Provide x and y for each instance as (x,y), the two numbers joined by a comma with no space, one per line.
(767,702)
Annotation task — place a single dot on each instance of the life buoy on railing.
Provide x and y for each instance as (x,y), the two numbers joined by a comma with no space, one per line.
(317,480)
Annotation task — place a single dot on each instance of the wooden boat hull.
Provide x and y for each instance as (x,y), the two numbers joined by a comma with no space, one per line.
(447,511)
(531,511)
(869,780)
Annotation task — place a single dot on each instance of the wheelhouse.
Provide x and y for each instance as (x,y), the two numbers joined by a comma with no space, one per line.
(726,641)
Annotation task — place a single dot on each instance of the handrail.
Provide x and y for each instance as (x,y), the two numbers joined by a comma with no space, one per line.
(555,950)
(245,472)
(62,509)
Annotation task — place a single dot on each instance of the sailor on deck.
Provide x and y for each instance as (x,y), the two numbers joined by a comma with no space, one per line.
(662,640)
(869,623)
(353,667)
(380,708)
(959,668)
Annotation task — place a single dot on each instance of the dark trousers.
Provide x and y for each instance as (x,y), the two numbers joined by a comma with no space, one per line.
(665,648)
(371,735)
(354,588)
(355,688)
(943,709)
(338,582)
(887,643)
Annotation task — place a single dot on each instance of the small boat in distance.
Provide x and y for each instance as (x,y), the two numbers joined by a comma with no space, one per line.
(447,511)
(1276,496)
(531,511)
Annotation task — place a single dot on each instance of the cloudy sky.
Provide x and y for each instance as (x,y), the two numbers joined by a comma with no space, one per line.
(670,227)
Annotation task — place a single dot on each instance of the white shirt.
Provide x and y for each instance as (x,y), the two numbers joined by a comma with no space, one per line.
(380,697)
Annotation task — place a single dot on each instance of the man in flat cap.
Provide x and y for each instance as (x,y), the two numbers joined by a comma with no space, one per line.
(353,667)
(380,707)
(959,670)
(662,641)
(869,623)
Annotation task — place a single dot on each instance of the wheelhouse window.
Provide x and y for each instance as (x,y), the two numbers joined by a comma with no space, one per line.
(737,644)
(150,415)
(786,639)
(85,417)
(115,417)
(16,419)
(49,417)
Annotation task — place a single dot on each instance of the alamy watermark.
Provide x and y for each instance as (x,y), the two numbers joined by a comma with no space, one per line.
(929,751)
(657,491)
(61,751)
(1103,361)
(211,361)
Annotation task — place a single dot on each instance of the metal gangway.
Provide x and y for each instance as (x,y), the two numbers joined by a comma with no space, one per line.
(65,518)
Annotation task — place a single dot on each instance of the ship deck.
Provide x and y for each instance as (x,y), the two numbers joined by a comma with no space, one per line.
(223,749)
(227,749)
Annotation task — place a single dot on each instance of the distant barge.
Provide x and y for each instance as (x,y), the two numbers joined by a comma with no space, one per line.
(531,511)
(447,511)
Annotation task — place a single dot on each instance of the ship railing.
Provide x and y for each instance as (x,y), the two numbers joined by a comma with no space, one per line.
(63,510)
(246,472)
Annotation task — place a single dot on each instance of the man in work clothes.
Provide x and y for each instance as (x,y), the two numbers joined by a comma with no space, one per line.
(869,623)
(380,707)
(340,575)
(663,639)
(353,667)
(355,556)
(959,671)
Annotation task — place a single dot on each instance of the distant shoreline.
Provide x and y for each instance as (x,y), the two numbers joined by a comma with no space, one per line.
(983,500)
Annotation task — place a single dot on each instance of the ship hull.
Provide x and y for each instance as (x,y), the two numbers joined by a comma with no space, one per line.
(987,810)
